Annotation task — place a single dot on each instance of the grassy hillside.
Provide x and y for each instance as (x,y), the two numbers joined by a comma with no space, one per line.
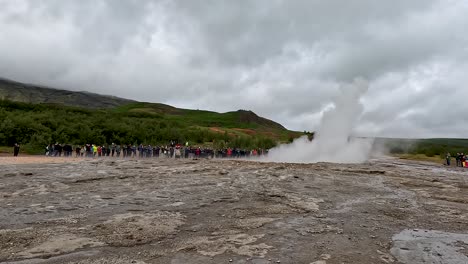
(237,119)
(35,125)
(26,93)
(36,116)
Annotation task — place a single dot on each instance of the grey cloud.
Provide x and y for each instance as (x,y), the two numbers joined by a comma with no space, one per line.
(283,59)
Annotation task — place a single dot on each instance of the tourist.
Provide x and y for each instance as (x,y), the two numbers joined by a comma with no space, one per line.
(16,150)
(67,150)
(57,150)
(157,150)
(95,150)
(177,153)
(78,151)
(140,151)
(134,151)
(117,150)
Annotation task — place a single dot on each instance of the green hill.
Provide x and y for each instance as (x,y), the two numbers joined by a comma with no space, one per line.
(237,119)
(28,93)
(36,116)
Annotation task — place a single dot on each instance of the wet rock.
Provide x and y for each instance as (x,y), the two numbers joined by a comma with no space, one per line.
(223,172)
(425,246)
(59,245)
(245,215)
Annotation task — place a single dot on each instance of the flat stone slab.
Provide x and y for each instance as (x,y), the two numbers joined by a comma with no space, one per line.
(426,246)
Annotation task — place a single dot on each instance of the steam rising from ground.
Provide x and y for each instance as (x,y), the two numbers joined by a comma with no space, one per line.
(333,141)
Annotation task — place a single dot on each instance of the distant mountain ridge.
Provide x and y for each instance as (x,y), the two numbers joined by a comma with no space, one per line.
(29,93)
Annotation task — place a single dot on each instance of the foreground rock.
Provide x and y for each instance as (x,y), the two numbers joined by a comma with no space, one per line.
(184,211)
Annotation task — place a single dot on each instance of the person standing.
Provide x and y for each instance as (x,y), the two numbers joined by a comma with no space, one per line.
(16,150)
(157,151)
(117,151)
(133,151)
(78,151)
(171,152)
(448,158)
(177,153)
(95,150)
(150,152)
(59,150)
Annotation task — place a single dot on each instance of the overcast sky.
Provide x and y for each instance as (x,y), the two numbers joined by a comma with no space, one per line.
(283,59)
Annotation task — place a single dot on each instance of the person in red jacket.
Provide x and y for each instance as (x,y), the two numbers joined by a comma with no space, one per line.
(254,152)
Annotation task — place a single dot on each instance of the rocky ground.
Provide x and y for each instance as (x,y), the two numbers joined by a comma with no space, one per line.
(221,211)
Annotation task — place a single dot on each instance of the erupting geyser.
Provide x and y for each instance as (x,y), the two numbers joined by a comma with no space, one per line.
(333,141)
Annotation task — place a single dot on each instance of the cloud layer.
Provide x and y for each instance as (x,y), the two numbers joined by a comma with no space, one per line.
(282,59)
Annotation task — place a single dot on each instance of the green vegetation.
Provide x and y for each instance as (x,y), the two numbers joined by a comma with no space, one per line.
(422,157)
(239,119)
(40,116)
(36,125)
(431,148)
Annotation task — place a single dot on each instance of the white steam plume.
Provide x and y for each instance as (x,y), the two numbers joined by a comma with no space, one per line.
(333,141)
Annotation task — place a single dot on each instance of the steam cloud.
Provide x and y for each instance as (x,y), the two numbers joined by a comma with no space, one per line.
(333,141)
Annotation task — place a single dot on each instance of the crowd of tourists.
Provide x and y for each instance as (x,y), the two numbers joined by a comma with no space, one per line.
(173,150)
(461,160)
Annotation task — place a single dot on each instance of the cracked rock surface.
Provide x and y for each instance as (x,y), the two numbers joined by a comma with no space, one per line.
(232,211)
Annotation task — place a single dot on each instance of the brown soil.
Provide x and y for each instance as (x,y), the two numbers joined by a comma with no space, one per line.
(32,159)
(246,131)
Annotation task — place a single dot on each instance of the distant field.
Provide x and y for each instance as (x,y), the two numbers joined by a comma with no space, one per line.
(421,157)
(6,150)
(429,147)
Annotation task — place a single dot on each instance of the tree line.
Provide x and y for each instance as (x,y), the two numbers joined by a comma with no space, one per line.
(428,147)
(37,125)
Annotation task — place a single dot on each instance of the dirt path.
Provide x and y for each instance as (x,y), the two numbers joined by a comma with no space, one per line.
(200,211)
(32,159)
